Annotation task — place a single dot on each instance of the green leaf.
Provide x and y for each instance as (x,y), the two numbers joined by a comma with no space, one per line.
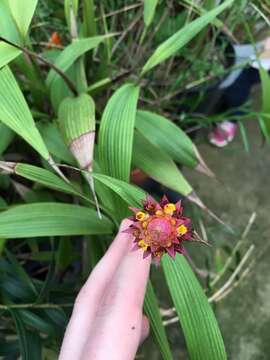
(51,219)
(165,134)
(8,28)
(149,11)
(72,52)
(10,348)
(158,165)
(2,245)
(55,143)
(38,323)
(9,31)
(22,334)
(6,136)
(265,80)
(65,254)
(44,177)
(198,322)
(152,311)
(244,135)
(7,53)
(22,12)
(182,37)
(22,275)
(131,194)
(14,112)
(116,132)
(29,342)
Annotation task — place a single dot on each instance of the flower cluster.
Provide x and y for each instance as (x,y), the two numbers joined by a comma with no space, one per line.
(160,228)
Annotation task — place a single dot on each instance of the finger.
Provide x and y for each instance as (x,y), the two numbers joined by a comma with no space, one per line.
(117,327)
(145,329)
(88,299)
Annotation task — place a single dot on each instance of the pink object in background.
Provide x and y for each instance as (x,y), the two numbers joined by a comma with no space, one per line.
(223,134)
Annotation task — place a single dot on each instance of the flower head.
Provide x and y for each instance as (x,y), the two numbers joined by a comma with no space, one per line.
(160,228)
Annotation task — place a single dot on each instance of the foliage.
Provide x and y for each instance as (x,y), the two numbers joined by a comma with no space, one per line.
(138,67)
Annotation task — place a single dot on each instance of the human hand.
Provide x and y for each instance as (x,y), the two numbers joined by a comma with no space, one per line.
(107,320)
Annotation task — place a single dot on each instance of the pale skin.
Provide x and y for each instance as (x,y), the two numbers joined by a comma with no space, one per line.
(107,321)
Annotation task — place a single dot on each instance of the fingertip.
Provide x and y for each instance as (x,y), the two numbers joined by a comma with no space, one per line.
(125,223)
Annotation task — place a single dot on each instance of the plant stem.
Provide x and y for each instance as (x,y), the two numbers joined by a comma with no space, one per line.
(67,80)
(34,306)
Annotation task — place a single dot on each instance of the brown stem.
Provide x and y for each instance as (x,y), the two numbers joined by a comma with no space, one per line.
(67,80)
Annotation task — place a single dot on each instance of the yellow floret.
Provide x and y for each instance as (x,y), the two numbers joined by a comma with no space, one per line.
(140,216)
(182,230)
(143,245)
(169,209)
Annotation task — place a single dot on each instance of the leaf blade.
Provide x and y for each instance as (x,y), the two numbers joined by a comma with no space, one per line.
(131,194)
(51,219)
(152,310)
(22,12)
(15,113)
(202,334)
(182,37)
(116,132)
(149,11)
(71,53)
(158,165)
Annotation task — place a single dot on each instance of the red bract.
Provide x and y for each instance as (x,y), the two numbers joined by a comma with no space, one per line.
(160,228)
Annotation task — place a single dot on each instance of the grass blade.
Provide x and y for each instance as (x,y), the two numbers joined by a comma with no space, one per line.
(149,11)
(182,37)
(265,80)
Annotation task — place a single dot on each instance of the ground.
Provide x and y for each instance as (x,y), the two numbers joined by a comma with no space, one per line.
(244,315)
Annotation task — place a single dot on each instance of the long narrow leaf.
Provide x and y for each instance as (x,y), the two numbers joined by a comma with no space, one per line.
(182,37)
(72,52)
(51,219)
(152,311)
(7,53)
(166,135)
(198,322)
(22,12)
(265,80)
(39,175)
(172,139)
(6,136)
(158,165)
(116,132)
(14,112)
(149,11)
(54,142)
(29,342)
(131,194)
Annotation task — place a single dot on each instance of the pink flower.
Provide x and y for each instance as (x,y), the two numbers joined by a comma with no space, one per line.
(160,228)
